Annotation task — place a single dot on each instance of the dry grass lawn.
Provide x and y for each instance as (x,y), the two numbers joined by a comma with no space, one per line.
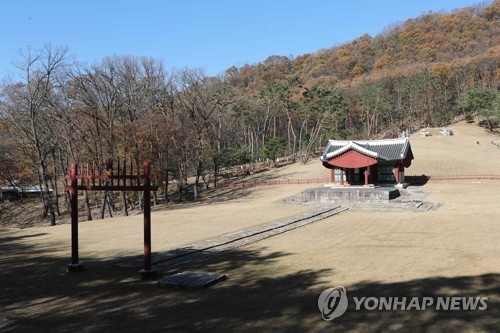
(274,284)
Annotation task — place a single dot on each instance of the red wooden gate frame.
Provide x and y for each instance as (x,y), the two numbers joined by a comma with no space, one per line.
(97,178)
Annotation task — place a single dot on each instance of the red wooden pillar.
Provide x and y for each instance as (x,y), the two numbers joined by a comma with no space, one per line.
(342,176)
(366,176)
(147,272)
(396,173)
(332,175)
(75,265)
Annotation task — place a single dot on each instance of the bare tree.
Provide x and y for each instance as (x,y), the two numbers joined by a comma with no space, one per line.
(96,98)
(30,106)
(199,99)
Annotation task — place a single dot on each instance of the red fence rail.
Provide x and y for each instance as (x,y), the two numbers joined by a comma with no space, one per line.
(250,183)
(455,176)
(409,178)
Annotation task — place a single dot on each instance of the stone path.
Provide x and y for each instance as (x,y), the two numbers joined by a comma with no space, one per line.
(214,246)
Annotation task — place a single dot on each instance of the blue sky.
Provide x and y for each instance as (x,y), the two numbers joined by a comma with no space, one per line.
(211,34)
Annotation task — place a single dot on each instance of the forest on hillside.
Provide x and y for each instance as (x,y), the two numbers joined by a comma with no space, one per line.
(426,71)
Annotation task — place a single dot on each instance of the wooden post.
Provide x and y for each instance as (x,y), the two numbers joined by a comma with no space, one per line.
(396,173)
(147,272)
(75,265)
(332,175)
(342,176)
(366,176)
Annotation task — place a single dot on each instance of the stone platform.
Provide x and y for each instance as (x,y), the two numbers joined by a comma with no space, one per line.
(351,194)
(360,198)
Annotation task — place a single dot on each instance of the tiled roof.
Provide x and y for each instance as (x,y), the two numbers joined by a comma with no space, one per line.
(385,150)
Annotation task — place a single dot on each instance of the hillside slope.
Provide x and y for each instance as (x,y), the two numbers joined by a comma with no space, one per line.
(434,155)
(429,38)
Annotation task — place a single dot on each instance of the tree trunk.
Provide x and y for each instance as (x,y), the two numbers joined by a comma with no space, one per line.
(110,208)
(315,132)
(292,131)
(49,207)
(103,204)
(166,185)
(141,200)
(216,171)
(490,125)
(87,206)
(124,204)
(197,181)
(300,151)
(63,180)
(54,184)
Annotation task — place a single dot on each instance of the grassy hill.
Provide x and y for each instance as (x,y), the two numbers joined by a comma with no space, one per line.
(434,155)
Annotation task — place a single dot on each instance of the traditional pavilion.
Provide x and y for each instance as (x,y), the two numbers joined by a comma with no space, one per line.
(367,162)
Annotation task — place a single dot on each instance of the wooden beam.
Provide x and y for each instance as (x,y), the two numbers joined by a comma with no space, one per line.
(110,188)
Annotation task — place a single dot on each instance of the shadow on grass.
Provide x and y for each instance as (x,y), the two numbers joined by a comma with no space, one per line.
(210,196)
(271,176)
(261,294)
(490,126)
(417,180)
